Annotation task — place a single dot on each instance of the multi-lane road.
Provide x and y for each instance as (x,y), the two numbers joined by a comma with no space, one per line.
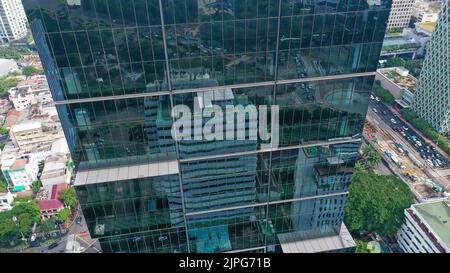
(407,141)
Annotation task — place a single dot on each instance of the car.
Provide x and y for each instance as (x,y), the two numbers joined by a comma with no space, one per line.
(403,133)
(377,99)
(372,97)
(393,121)
(52,246)
(384,112)
(405,128)
(79,220)
(33,237)
(375,110)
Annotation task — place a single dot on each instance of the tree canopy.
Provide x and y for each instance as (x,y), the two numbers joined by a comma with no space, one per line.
(377,203)
(372,157)
(69,197)
(6,84)
(25,213)
(29,71)
(64,214)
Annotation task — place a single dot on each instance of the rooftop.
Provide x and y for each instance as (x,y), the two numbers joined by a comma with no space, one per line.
(437,216)
(27,125)
(56,190)
(427,26)
(19,164)
(51,204)
(3,61)
(290,244)
(407,82)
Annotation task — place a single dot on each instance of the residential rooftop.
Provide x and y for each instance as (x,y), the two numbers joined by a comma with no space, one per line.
(27,125)
(437,216)
(19,164)
(51,204)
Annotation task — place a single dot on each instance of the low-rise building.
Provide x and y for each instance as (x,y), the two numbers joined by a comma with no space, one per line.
(50,208)
(12,118)
(21,174)
(399,83)
(5,106)
(7,66)
(35,135)
(31,91)
(6,199)
(428,17)
(57,169)
(426,228)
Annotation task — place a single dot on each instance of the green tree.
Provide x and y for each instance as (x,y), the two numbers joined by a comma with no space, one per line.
(30,208)
(6,84)
(377,203)
(24,214)
(382,93)
(37,185)
(10,53)
(372,156)
(8,229)
(3,183)
(412,65)
(69,197)
(361,247)
(29,71)
(4,131)
(48,225)
(64,214)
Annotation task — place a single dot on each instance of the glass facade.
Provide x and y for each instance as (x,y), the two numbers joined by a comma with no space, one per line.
(117,69)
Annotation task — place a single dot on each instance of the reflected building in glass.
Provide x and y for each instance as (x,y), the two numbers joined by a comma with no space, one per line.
(117,68)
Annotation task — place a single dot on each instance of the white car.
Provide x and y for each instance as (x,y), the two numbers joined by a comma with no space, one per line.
(33,237)
(377,99)
(393,121)
(372,97)
(375,110)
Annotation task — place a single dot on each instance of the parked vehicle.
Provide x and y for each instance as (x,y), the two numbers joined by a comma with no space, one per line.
(52,246)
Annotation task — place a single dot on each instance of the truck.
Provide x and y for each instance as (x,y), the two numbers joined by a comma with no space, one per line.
(411,175)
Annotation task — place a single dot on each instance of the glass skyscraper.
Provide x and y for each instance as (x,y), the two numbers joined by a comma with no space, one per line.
(432,99)
(117,68)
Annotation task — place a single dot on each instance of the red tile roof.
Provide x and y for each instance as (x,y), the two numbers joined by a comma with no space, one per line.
(19,164)
(56,190)
(50,205)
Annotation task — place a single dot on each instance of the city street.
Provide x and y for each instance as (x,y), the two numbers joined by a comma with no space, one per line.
(393,139)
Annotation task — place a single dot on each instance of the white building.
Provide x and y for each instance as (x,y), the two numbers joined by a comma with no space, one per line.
(428,17)
(426,229)
(6,199)
(57,170)
(13,21)
(23,97)
(30,91)
(6,66)
(400,15)
(21,174)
